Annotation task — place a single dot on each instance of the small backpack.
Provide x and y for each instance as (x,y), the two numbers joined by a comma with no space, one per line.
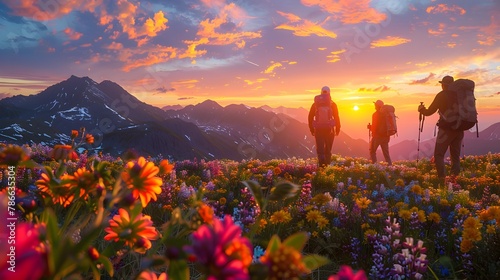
(389,116)
(462,113)
(324,116)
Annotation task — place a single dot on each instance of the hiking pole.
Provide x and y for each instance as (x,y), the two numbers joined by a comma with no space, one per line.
(369,126)
(421,119)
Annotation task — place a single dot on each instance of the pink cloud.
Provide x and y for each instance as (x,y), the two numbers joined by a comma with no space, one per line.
(48,10)
(443,8)
(303,28)
(72,35)
(424,80)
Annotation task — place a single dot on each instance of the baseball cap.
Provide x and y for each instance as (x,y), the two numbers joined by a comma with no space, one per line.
(325,90)
(446,80)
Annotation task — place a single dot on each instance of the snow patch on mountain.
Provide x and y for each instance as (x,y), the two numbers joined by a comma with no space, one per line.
(76,113)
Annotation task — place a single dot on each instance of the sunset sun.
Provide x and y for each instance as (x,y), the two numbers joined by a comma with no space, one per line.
(355,108)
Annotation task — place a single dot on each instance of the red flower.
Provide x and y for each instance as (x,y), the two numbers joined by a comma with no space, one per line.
(346,273)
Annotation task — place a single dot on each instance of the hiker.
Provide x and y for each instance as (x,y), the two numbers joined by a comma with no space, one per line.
(324,124)
(380,137)
(446,137)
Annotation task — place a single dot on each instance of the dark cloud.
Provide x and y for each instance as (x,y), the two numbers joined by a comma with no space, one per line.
(424,80)
(494,94)
(185,98)
(163,90)
(382,88)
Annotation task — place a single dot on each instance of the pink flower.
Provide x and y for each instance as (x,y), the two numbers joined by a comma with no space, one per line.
(221,251)
(346,273)
(28,259)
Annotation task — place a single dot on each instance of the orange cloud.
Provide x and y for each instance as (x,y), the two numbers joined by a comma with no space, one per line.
(135,58)
(72,35)
(303,27)
(209,30)
(349,11)
(335,56)
(114,46)
(271,69)
(389,41)
(184,84)
(48,10)
(443,8)
(382,88)
(258,81)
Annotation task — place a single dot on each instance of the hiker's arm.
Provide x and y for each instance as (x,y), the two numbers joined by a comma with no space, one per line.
(335,112)
(310,118)
(435,105)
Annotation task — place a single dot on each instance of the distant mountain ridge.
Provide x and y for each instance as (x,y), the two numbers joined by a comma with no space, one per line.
(207,130)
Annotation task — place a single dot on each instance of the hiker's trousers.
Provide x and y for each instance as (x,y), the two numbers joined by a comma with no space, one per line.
(453,140)
(383,142)
(324,143)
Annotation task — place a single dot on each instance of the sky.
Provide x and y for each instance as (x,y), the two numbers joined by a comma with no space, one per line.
(261,52)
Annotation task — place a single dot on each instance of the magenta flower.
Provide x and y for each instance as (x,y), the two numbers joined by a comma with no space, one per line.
(221,250)
(346,273)
(28,259)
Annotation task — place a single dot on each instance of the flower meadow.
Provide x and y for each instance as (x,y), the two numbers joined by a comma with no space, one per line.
(81,215)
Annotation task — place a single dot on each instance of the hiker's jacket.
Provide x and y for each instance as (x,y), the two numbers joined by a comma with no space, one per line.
(379,126)
(440,102)
(335,115)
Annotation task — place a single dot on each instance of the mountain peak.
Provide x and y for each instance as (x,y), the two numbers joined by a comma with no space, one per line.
(209,105)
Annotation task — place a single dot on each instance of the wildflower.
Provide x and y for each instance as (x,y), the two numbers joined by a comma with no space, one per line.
(284,262)
(74,134)
(280,216)
(276,171)
(206,213)
(165,167)
(490,229)
(405,214)
(221,250)
(149,275)
(136,231)
(346,273)
(416,189)
(12,155)
(141,177)
(30,254)
(93,253)
(463,211)
(84,180)
(313,215)
(63,153)
(363,202)
(89,139)
(50,187)
(434,217)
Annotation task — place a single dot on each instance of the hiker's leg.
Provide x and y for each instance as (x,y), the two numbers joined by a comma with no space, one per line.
(442,141)
(373,149)
(328,147)
(385,149)
(320,147)
(455,147)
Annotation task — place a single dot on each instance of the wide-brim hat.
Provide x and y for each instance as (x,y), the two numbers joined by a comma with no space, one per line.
(446,80)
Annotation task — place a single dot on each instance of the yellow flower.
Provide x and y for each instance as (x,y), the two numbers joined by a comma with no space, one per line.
(284,263)
(276,171)
(405,214)
(472,234)
(472,223)
(491,229)
(416,189)
(313,216)
(421,216)
(141,177)
(466,245)
(322,222)
(365,226)
(280,216)
(463,211)
(434,217)
(370,232)
(363,202)
(445,202)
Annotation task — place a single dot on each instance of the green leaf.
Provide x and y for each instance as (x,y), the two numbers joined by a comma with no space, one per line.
(284,190)
(178,270)
(273,244)
(256,190)
(106,263)
(297,240)
(314,261)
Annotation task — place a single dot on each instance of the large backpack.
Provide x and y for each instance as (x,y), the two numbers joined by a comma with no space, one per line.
(461,113)
(323,117)
(389,118)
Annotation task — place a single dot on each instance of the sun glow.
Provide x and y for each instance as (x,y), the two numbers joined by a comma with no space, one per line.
(355,108)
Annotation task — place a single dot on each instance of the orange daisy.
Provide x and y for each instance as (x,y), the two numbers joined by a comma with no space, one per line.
(135,231)
(141,177)
(60,194)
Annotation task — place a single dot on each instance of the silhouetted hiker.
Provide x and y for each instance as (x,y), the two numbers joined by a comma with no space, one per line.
(380,137)
(446,137)
(324,124)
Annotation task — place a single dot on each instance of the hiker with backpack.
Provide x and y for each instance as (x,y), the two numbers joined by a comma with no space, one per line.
(324,124)
(457,112)
(380,131)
